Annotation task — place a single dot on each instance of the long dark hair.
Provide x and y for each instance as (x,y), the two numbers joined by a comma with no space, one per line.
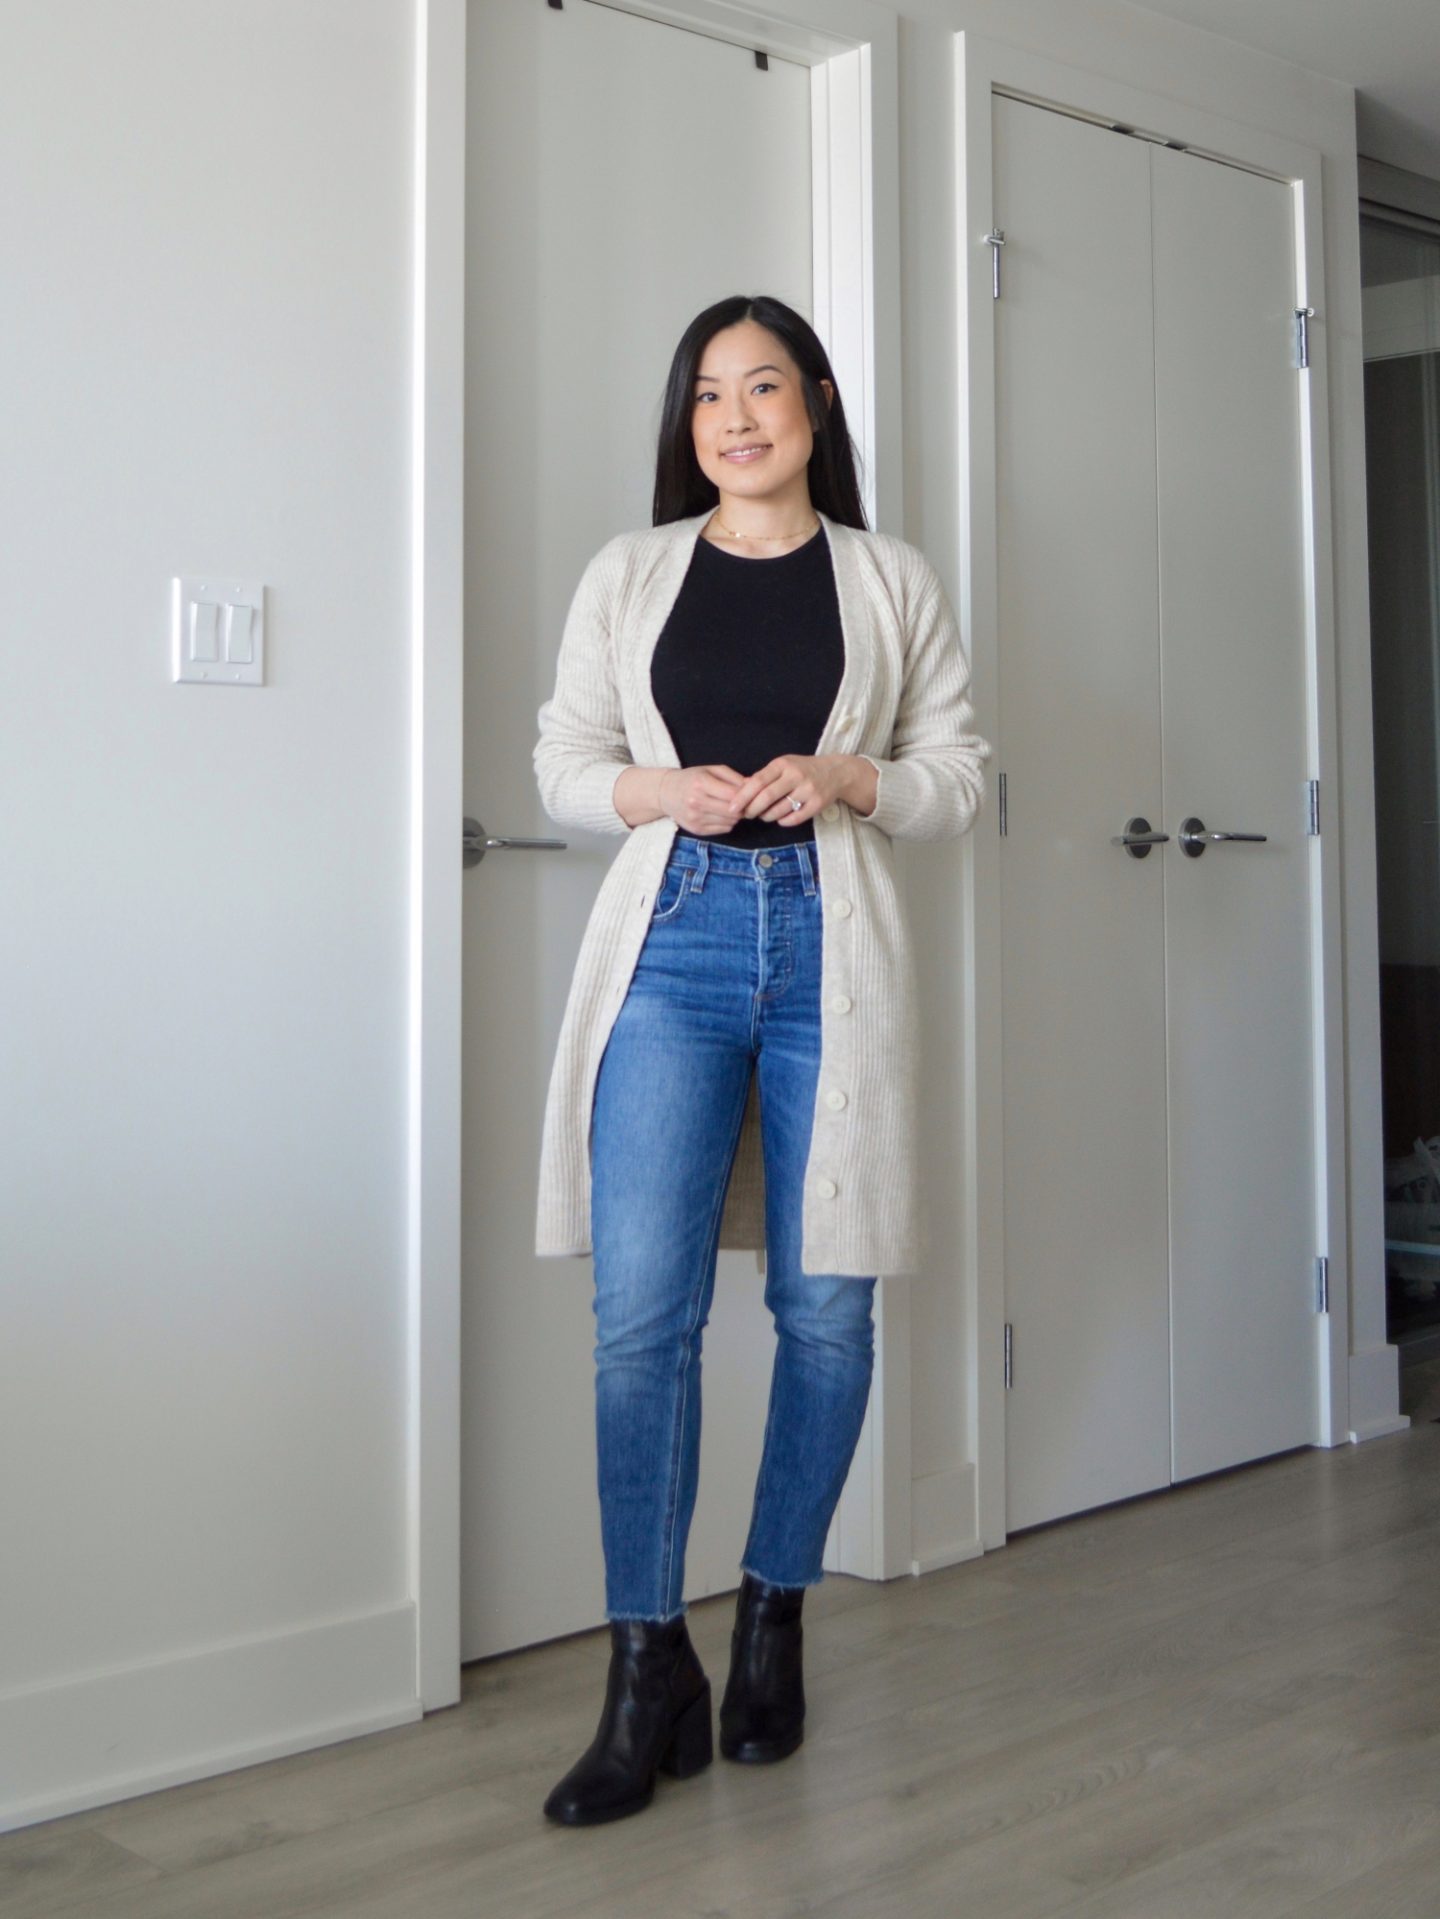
(681,488)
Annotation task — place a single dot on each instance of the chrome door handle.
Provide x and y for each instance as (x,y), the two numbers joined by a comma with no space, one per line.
(1194,839)
(477,842)
(1138,837)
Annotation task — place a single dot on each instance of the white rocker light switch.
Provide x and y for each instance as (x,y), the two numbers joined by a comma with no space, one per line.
(237,635)
(217,631)
(202,631)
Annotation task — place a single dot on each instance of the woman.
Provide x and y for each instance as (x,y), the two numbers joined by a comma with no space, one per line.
(760,694)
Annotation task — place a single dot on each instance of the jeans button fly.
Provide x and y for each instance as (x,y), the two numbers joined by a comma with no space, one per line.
(767,859)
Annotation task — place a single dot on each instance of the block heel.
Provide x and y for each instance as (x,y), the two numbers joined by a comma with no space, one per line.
(692,1745)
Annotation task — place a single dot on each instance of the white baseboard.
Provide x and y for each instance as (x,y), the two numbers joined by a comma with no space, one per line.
(1375,1394)
(1378,1428)
(70,1744)
(944,1528)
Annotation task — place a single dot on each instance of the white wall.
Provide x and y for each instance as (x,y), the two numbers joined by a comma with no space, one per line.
(205,226)
(206,232)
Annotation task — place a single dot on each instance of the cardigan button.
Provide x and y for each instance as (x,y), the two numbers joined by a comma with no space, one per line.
(841,909)
(835,1099)
(825,1188)
(840,1003)
(831,812)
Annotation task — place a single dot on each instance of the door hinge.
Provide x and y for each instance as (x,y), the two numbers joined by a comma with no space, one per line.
(1322,1283)
(994,239)
(1314,826)
(1303,317)
(1009,1355)
(1000,783)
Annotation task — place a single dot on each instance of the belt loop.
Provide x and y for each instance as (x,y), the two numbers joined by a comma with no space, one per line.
(702,867)
(807,865)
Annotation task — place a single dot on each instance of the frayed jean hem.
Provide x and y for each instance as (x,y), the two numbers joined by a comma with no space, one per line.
(653,1619)
(792,1585)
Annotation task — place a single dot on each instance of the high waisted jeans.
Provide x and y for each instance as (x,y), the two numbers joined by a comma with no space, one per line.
(727,983)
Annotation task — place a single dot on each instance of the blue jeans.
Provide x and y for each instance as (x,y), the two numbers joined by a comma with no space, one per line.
(727,983)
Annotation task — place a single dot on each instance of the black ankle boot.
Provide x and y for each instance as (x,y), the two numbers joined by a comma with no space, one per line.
(762,1714)
(656,1715)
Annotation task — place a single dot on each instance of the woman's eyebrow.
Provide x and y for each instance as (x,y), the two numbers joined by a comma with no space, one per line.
(767,368)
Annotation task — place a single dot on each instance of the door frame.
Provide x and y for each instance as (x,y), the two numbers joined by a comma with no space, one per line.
(852,48)
(983,68)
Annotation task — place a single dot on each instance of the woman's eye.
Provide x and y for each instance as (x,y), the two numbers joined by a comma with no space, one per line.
(757,387)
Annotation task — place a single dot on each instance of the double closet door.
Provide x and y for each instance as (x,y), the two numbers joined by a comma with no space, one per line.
(1160,1124)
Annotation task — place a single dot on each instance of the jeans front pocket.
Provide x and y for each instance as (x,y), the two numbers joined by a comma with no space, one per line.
(672,894)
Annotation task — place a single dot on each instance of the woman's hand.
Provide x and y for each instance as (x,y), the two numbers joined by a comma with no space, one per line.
(813,779)
(698,798)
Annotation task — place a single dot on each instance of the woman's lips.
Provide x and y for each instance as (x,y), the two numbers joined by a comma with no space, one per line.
(742,456)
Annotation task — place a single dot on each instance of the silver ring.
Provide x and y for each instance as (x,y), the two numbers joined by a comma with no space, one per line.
(797,806)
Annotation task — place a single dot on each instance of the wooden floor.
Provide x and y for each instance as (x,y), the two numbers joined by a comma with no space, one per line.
(1222,1700)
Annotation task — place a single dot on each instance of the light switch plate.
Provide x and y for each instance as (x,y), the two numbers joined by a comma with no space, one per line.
(217,630)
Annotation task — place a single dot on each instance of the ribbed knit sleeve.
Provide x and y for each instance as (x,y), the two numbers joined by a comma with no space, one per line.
(932,786)
(582,749)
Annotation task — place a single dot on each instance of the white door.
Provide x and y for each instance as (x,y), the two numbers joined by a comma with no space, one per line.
(1082,923)
(595,232)
(1158,1210)
(1238,974)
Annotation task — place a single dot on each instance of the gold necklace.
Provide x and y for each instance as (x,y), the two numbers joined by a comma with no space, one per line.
(731,534)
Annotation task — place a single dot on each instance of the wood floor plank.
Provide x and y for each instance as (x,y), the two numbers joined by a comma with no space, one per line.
(1217,1700)
(1402,1887)
(1037,1825)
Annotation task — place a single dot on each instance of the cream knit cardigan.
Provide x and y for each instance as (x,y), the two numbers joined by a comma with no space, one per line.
(902,704)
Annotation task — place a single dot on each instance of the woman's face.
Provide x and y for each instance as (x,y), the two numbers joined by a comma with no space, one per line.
(748,396)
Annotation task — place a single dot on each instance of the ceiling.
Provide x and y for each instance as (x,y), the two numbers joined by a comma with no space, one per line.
(1388,50)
